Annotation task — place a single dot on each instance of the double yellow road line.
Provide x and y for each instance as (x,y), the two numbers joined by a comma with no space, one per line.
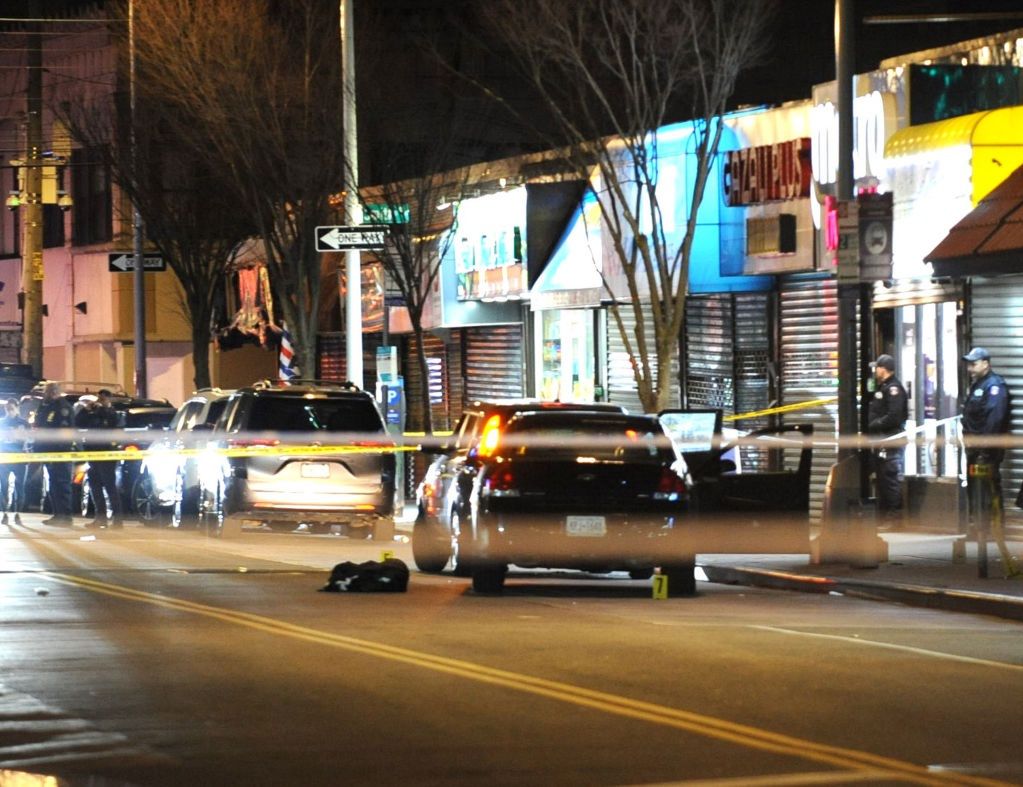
(863,765)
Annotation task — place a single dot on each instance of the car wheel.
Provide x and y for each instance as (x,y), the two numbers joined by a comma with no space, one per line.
(681,576)
(186,505)
(461,563)
(489,579)
(641,573)
(431,546)
(145,504)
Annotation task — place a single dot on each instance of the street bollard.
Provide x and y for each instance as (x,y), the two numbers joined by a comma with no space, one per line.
(980,495)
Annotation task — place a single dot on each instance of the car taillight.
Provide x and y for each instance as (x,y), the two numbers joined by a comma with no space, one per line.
(501,483)
(670,486)
(491,436)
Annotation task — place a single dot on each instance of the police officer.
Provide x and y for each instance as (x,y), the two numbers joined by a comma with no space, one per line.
(100,415)
(12,494)
(886,416)
(55,412)
(985,412)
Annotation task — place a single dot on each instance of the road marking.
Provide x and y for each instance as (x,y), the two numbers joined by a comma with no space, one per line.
(890,646)
(780,780)
(699,724)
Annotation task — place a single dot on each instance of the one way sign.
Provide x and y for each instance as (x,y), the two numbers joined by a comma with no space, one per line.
(124,261)
(366,236)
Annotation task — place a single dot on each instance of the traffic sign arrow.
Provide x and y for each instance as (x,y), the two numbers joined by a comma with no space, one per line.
(123,261)
(367,236)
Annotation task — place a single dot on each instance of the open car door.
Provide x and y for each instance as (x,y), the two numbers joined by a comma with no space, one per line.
(735,509)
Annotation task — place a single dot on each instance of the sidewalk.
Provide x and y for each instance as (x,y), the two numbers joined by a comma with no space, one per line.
(920,571)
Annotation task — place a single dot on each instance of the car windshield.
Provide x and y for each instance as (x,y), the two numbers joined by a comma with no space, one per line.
(294,414)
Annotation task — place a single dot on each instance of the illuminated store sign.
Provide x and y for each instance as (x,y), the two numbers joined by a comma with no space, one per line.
(767,173)
(874,122)
(490,245)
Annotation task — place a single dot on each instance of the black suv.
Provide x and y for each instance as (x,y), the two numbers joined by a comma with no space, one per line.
(286,478)
(443,496)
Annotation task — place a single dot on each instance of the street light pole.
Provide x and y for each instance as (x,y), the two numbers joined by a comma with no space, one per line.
(353,211)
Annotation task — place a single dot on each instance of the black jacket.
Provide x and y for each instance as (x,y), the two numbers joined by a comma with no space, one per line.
(55,414)
(888,408)
(99,418)
(986,411)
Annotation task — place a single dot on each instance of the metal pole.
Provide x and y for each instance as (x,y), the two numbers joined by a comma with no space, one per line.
(847,293)
(32,215)
(139,281)
(353,211)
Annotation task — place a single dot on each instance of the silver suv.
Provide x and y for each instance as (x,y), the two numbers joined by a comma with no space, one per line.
(284,478)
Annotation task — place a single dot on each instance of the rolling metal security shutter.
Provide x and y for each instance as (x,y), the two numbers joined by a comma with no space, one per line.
(809,367)
(621,384)
(437,368)
(494,362)
(996,323)
(332,358)
(728,348)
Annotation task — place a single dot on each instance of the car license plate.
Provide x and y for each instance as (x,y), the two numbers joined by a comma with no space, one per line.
(587,526)
(315,470)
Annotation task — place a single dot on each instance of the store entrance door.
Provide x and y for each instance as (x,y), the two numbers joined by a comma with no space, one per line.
(922,339)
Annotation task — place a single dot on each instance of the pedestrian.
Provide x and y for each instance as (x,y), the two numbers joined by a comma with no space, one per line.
(985,413)
(12,474)
(98,414)
(887,410)
(55,412)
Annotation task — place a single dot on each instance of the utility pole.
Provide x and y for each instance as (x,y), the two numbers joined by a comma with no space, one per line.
(139,274)
(353,210)
(32,215)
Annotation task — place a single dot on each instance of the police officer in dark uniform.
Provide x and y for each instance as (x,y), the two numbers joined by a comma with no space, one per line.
(55,412)
(887,410)
(985,412)
(100,415)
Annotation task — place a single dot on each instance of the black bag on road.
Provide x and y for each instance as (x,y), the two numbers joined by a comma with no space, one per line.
(389,576)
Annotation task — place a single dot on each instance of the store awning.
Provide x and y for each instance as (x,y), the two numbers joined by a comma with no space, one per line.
(988,241)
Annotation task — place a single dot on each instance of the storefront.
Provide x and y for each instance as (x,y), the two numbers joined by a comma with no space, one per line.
(939,172)
(984,250)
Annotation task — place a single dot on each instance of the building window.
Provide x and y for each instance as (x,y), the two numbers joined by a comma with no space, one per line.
(93,202)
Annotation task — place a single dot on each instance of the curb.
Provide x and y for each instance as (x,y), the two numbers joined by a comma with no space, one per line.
(967,601)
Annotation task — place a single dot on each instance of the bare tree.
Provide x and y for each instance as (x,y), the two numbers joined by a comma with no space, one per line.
(190,213)
(609,75)
(422,214)
(259,88)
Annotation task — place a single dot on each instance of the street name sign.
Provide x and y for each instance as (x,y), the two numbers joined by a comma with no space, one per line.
(364,237)
(124,261)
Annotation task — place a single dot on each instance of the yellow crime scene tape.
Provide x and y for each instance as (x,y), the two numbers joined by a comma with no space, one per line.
(136,454)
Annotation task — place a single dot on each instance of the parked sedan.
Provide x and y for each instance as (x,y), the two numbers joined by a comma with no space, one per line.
(594,491)
(443,495)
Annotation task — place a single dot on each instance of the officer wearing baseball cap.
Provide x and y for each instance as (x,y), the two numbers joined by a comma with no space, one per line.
(887,410)
(985,412)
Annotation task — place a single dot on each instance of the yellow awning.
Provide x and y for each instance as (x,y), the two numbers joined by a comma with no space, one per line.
(992,127)
(994,136)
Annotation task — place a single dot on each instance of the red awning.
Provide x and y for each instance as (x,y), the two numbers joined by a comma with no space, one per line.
(987,241)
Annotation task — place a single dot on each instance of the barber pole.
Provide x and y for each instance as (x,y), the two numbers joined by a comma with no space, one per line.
(286,365)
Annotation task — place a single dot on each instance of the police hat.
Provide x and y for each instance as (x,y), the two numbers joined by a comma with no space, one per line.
(885,362)
(977,354)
